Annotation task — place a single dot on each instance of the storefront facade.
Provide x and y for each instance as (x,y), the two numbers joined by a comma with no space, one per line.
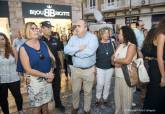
(59,12)
(58,15)
(4,18)
(120,12)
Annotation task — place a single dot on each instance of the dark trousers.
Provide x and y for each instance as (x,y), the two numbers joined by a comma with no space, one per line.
(56,84)
(14,87)
(66,67)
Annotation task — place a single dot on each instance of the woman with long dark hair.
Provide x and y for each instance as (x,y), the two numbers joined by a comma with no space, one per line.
(153,48)
(125,54)
(9,78)
(160,34)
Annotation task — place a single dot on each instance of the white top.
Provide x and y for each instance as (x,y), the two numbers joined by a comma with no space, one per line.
(120,54)
(8,72)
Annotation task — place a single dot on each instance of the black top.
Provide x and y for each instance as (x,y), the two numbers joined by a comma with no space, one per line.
(103,55)
(54,46)
(151,52)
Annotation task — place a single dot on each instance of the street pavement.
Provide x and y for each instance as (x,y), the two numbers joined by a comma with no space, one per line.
(67,101)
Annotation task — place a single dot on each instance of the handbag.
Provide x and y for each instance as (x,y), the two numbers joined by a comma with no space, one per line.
(142,72)
(130,72)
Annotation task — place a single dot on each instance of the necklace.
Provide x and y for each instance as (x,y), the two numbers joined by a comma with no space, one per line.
(105,45)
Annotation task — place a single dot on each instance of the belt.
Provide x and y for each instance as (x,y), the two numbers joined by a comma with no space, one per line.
(150,58)
(85,67)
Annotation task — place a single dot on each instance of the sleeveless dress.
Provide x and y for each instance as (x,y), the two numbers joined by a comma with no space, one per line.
(123,93)
(154,101)
(39,90)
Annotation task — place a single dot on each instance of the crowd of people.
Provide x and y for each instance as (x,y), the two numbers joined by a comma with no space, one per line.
(41,55)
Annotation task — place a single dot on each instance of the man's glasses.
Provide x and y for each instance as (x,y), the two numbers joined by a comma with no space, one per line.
(41,55)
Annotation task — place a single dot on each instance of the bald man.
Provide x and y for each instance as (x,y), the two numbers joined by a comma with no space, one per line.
(82,47)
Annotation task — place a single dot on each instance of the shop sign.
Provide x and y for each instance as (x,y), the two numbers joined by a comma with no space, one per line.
(134,19)
(46,10)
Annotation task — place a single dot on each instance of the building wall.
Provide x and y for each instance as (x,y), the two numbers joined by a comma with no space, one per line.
(120,9)
(147,21)
(120,21)
(15,11)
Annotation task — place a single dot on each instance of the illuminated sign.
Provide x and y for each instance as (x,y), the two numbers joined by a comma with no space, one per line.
(46,10)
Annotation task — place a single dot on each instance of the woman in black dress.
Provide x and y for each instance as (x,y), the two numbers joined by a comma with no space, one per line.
(161,60)
(154,95)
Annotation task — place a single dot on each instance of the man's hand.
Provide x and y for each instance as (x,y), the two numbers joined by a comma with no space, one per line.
(82,47)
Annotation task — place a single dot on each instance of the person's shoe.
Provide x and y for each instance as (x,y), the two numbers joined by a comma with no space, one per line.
(60,107)
(21,112)
(133,104)
(105,102)
(74,111)
(97,103)
(87,112)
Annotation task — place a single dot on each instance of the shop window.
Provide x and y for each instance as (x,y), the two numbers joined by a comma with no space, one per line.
(92,3)
(110,2)
(85,3)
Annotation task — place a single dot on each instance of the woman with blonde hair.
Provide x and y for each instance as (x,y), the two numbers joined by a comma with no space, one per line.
(35,60)
(104,68)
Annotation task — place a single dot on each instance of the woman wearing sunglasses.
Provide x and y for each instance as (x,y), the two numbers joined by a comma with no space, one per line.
(35,60)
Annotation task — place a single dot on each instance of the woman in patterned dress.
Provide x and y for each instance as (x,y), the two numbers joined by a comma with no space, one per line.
(35,60)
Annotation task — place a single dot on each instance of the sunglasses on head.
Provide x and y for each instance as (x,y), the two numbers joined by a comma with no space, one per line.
(41,55)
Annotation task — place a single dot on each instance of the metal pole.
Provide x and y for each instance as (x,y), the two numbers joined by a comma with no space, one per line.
(130,16)
(82,9)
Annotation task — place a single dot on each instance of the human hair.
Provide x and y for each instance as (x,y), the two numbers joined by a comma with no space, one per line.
(137,23)
(102,31)
(85,23)
(149,39)
(128,35)
(64,35)
(161,27)
(73,28)
(8,48)
(27,29)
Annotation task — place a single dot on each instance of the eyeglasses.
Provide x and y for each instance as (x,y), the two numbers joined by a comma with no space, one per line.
(41,55)
(34,29)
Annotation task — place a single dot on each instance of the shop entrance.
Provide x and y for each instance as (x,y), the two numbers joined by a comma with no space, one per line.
(4,26)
